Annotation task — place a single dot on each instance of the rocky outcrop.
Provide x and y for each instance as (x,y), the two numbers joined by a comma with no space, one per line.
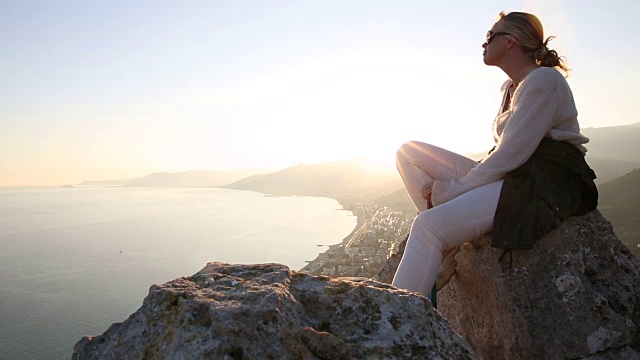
(270,312)
(576,294)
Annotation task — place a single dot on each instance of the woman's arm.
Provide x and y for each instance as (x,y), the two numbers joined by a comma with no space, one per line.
(534,111)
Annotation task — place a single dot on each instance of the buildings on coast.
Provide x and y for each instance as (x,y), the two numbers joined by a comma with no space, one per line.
(366,251)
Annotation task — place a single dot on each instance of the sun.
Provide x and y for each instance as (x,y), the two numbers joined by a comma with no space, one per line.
(362,104)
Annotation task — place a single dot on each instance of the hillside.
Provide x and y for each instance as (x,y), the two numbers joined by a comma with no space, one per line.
(613,151)
(620,204)
(191,178)
(398,200)
(608,169)
(614,142)
(327,179)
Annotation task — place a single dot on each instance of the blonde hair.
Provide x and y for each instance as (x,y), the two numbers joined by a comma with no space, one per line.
(528,29)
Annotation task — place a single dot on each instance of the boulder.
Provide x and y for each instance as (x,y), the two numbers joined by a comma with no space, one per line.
(575,295)
(270,312)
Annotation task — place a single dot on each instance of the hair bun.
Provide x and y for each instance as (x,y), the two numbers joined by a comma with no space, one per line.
(541,52)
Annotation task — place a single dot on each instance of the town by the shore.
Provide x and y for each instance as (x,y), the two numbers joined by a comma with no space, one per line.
(365,250)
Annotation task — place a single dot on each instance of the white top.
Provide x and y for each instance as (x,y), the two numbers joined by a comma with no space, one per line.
(542,105)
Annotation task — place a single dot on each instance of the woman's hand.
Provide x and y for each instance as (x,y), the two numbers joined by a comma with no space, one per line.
(426,194)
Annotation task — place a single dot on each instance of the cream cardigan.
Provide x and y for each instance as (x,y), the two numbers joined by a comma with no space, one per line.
(542,106)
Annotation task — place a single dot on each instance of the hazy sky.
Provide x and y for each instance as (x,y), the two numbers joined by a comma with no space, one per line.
(95,90)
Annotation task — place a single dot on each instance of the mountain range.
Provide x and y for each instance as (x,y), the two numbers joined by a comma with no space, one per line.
(327,179)
(612,152)
(192,178)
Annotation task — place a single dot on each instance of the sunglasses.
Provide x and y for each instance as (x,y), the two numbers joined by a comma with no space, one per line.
(491,35)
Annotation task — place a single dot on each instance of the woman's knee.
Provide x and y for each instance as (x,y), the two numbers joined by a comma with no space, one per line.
(402,151)
(410,146)
(414,149)
(405,150)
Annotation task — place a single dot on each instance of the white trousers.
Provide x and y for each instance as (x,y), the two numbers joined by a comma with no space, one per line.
(448,225)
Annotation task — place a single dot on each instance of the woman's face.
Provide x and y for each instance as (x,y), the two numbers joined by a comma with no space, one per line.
(494,46)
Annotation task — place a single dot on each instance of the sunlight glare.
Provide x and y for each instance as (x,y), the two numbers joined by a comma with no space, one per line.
(364,103)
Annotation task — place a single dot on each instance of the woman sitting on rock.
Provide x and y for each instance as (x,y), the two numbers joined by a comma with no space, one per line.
(533,178)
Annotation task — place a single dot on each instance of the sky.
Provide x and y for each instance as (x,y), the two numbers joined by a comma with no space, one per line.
(95,90)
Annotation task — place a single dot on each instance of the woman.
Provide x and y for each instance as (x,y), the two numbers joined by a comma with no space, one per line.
(537,104)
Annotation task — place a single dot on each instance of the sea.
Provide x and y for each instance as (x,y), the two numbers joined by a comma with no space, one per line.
(75,260)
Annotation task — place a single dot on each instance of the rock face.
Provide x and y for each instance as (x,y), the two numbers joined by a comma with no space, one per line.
(270,312)
(576,294)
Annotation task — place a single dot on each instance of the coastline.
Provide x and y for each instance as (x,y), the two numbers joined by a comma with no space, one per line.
(318,262)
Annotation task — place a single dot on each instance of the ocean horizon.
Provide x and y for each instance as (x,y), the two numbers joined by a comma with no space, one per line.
(75,260)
